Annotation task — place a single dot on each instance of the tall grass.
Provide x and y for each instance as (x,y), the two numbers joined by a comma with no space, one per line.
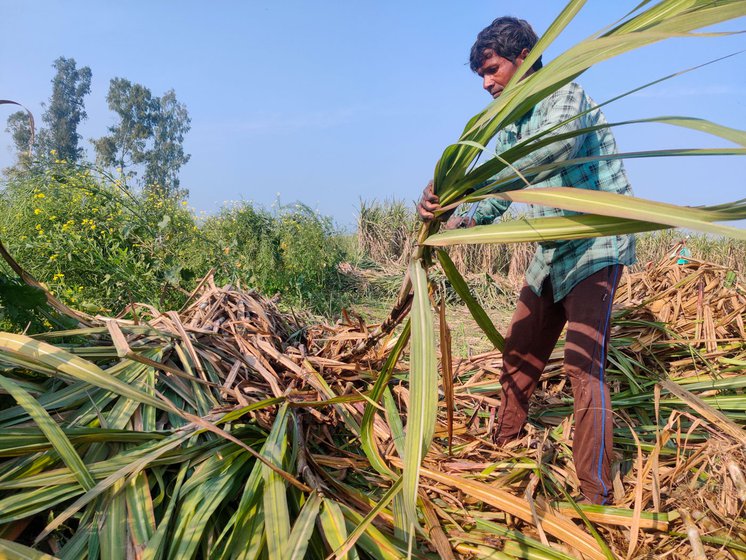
(385,231)
(381,225)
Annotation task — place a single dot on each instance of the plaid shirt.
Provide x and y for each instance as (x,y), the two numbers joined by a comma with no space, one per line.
(565,262)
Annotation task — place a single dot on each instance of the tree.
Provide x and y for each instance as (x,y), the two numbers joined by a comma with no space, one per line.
(65,111)
(125,146)
(150,132)
(19,127)
(167,156)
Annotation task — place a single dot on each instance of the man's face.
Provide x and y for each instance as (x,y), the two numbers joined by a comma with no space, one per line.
(496,71)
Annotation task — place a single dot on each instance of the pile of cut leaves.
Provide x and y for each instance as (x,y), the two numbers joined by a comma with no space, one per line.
(232,430)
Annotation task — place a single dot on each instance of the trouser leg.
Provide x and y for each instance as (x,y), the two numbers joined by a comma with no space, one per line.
(588,310)
(534,329)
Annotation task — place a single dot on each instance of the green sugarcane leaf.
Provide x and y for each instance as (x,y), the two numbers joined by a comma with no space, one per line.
(113,533)
(640,30)
(241,531)
(155,548)
(276,514)
(83,370)
(334,528)
(303,528)
(200,501)
(367,520)
(51,430)
(25,504)
(423,390)
(140,512)
(476,310)
(374,541)
(560,228)
(13,551)
(130,467)
(622,206)
(367,437)
(521,539)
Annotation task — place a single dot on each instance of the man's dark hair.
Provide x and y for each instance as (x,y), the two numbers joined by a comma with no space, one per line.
(507,36)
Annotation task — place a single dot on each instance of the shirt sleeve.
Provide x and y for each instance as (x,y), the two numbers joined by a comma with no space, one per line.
(490,209)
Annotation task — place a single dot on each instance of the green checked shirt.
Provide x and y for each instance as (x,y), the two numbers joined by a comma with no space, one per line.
(565,262)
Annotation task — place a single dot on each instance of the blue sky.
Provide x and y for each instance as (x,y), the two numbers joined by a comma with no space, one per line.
(328,102)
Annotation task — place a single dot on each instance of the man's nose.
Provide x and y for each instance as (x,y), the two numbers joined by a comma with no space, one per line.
(487,82)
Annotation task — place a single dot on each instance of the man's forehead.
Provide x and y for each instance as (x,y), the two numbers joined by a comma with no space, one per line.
(488,57)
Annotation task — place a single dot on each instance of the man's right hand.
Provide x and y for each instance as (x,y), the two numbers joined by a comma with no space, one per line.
(430,203)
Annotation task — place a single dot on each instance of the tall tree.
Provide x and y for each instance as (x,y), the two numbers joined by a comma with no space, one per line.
(150,131)
(19,127)
(125,146)
(167,156)
(65,110)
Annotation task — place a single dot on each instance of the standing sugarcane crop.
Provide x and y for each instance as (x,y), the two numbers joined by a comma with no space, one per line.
(568,282)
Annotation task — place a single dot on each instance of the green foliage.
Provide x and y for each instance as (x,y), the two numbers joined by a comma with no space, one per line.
(98,246)
(20,305)
(19,128)
(294,252)
(167,156)
(150,132)
(135,107)
(65,111)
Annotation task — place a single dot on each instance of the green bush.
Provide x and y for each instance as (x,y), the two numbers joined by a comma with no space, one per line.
(98,246)
(294,252)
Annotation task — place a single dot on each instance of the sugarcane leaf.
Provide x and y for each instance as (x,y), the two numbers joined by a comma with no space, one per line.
(446,363)
(476,310)
(155,548)
(14,551)
(524,540)
(24,504)
(362,527)
(131,467)
(140,512)
(556,525)
(560,228)
(276,514)
(333,527)
(201,500)
(663,21)
(51,430)
(423,390)
(374,541)
(564,18)
(113,531)
(367,437)
(83,370)
(632,208)
(303,528)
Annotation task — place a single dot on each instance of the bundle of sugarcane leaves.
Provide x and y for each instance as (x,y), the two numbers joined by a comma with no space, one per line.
(230,430)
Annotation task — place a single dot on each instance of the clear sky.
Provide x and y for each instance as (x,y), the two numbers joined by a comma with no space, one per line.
(328,102)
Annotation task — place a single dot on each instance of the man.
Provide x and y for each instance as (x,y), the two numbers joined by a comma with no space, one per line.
(569,282)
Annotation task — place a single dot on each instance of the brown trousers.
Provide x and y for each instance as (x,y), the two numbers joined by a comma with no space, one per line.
(536,325)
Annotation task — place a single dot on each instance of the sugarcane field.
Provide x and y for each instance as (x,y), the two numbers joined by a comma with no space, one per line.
(540,356)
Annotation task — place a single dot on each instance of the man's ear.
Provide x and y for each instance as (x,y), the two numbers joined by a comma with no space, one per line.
(521,57)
